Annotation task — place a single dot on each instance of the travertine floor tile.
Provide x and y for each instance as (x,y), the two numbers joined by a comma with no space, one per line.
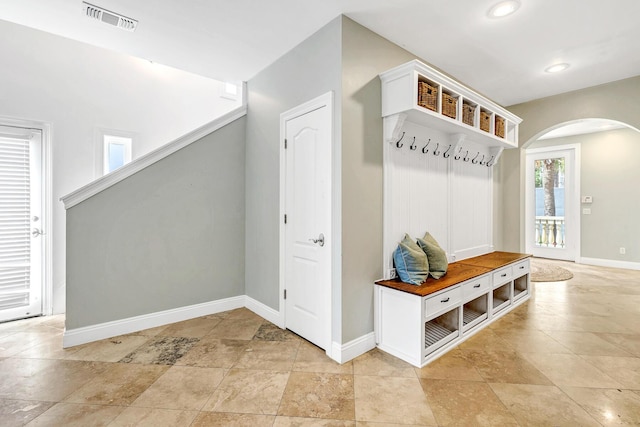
(391,399)
(44,380)
(150,417)
(249,391)
(119,384)
(241,328)
(625,370)
(109,350)
(212,352)
(270,332)
(608,406)
(269,355)
(505,367)
(310,358)
(486,339)
(628,342)
(587,343)
(181,387)
(161,351)
(571,370)
(318,395)
(537,405)
(451,366)
(220,419)
(531,341)
(312,422)
(75,415)
(377,362)
(20,412)
(194,328)
(465,403)
(17,342)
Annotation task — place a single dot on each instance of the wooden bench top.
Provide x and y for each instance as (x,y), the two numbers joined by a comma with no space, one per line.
(457,273)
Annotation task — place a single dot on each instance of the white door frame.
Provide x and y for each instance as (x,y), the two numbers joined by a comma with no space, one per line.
(574,201)
(325,100)
(47,222)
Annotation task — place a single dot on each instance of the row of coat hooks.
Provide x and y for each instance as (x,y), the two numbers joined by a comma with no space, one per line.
(446,153)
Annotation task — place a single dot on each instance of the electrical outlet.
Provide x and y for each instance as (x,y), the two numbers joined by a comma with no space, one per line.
(623,251)
(391,273)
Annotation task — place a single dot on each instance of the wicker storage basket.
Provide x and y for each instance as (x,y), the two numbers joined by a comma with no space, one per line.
(485,121)
(468,113)
(449,104)
(499,127)
(427,96)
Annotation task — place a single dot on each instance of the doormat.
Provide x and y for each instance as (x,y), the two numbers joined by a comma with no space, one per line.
(544,272)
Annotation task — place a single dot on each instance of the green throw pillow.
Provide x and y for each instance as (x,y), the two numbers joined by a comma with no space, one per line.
(437,257)
(411,262)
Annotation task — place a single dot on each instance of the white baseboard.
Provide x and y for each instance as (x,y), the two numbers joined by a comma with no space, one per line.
(343,353)
(101,331)
(264,311)
(610,263)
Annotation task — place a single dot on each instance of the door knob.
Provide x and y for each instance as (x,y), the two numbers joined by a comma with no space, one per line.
(319,240)
(37,232)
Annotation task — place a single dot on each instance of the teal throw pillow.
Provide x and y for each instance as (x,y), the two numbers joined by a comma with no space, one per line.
(437,257)
(411,262)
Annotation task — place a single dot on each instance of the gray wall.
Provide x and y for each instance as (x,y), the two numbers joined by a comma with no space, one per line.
(306,72)
(364,56)
(615,101)
(169,236)
(609,172)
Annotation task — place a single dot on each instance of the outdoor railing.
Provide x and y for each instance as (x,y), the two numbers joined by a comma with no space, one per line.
(550,231)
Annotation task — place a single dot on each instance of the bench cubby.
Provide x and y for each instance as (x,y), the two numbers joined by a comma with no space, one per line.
(420,323)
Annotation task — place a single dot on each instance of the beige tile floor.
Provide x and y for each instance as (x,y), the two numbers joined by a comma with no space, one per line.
(568,357)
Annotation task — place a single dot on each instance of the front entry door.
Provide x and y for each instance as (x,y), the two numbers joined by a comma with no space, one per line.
(551,217)
(307,263)
(21,234)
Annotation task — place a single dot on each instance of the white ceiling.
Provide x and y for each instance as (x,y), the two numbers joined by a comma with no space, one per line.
(503,59)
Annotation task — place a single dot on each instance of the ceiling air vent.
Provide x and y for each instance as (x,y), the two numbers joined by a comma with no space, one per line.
(103,15)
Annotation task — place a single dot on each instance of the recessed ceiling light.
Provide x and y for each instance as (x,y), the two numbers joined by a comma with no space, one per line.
(504,8)
(556,68)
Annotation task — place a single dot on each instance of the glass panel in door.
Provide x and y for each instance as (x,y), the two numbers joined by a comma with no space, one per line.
(550,226)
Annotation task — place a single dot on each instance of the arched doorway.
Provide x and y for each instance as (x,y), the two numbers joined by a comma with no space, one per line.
(559,210)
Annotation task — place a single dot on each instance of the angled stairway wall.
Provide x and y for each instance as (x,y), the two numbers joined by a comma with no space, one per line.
(169,235)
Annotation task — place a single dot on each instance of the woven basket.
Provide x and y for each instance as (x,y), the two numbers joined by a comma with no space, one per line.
(499,127)
(485,121)
(449,104)
(427,96)
(468,113)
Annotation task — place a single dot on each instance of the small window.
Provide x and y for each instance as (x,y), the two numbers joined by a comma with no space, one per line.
(230,90)
(117,152)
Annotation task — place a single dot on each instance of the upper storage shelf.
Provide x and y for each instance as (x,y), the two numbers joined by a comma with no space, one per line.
(430,98)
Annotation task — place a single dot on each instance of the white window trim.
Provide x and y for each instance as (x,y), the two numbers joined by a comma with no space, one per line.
(109,140)
(101,156)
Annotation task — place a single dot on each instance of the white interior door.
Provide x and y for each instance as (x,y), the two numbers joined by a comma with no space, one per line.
(307,232)
(21,234)
(552,217)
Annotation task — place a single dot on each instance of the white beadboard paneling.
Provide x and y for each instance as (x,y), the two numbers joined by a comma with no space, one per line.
(448,197)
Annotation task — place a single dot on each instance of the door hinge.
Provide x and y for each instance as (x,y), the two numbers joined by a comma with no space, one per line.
(285,143)
(285,294)
(285,218)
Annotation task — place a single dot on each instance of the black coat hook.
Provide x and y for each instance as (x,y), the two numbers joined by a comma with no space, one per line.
(424,149)
(446,155)
(398,143)
(489,161)
(436,152)
(457,156)
(466,156)
(474,161)
(482,161)
(413,145)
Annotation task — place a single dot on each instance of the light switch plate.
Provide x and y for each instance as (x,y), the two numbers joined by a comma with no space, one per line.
(587,199)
